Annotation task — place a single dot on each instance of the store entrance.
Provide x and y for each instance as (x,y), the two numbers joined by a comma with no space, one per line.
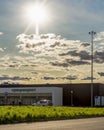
(24,98)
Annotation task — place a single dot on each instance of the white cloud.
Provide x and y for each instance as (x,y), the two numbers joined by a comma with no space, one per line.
(99,36)
(52,51)
(1,33)
(1,49)
(45,43)
(52,47)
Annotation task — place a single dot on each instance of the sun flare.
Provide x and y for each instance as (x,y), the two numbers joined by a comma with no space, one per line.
(37,13)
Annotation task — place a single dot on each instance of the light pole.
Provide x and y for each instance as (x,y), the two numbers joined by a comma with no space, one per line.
(71,97)
(92,33)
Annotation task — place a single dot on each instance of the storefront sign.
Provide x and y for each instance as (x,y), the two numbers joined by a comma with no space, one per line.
(23,90)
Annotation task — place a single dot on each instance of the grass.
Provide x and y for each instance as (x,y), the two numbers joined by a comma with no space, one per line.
(19,114)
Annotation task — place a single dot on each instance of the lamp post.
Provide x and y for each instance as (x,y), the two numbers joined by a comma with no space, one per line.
(92,33)
(6,95)
(71,97)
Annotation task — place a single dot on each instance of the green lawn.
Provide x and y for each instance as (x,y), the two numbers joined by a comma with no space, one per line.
(17,114)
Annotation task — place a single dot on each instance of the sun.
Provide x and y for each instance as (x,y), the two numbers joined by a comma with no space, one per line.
(37,13)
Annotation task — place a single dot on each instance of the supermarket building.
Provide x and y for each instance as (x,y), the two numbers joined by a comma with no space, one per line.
(29,95)
(78,94)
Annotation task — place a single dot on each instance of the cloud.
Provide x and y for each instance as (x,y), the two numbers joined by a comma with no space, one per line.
(76,63)
(43,42)
(6,77)
(59,64)
(69,62)
(89,78)
(53,48)
(1,49)
(84,55)
(85,44)
(1,33)
(17,62)
(71,77)
(48,78)
(68,77)
(49,45)
(99,37)
(53,52)
(99,56)
(101,73)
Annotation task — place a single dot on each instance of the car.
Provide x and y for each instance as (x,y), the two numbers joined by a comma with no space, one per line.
(34,104)
(43,102)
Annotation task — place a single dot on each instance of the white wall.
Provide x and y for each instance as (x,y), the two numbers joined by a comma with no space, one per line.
(57,97)
(57,93)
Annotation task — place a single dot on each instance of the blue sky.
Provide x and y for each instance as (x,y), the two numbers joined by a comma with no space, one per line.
(47,59)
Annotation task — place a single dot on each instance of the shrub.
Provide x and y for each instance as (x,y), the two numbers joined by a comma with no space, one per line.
(9,114)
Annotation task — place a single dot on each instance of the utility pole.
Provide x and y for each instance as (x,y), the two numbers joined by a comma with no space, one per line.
(92,33)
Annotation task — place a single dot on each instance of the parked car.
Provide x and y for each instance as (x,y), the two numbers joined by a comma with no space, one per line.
(43,102)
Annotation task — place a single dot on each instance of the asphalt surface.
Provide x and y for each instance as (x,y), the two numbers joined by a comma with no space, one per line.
(75,124)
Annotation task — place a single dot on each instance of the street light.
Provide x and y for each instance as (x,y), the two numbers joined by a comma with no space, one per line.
(71,97)
(92,33)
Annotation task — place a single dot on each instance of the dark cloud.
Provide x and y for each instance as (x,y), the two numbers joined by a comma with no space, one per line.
(63,78)
(71,77)
(34,72)
(48,78)
(88,78)
(72,53)
(77,62)
(85,44)
(13,66)
(99,57)
(101,73)
(55,44)
(59,64)
(6,77)
(84,55)
(17,65)
(69,62)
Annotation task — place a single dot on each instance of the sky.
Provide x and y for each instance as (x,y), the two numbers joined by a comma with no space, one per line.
(61,53)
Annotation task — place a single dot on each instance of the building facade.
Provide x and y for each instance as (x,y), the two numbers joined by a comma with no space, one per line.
(28,95)
(78,94)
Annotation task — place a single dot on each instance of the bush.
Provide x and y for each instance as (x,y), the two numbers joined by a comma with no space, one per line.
(9,114)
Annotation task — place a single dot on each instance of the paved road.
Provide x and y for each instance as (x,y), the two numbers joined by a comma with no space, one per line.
(78,124)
